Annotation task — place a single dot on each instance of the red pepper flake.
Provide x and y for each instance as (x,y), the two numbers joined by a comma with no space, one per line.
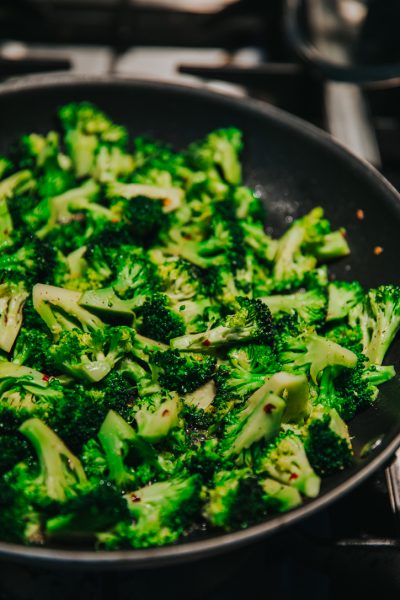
(378,250)
(165,413)
(115,220)
(167,202)
(293,476)
(207,343)
(268,408)
(360,214)
(45,377)
(135,498)
(187,236)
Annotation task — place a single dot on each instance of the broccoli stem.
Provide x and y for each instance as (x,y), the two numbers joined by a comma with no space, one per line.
(12,300)
(171,197)
(60,470)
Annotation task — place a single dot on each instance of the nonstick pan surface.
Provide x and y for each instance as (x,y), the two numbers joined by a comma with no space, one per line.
(294,167)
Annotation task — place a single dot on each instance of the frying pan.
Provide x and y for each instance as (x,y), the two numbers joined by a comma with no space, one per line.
(294,167)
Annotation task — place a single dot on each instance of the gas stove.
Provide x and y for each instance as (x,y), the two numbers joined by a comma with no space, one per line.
(234,48)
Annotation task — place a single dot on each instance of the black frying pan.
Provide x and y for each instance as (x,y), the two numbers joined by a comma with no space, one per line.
(294,167)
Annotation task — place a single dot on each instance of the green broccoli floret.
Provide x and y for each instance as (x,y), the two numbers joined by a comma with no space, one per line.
(313,353)
(285,460)
(252,322)
(258,419)
(158,321)
(60,310)
(342,297)
(183,372)
(111,162)
(170,197)
(12,299)
(60,473)
(351,390)
(91,356)
(263,245)
(378,318)
(308,240)
(94,511)
(28,263)
(246,370)
(157,416)
(327,443)
(144,217)
(219,150)
(15,184)
(159,514)
(86,128)
(309,305)
(235,500)
(119,440)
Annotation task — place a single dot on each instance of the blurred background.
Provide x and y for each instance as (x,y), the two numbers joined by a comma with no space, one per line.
(335,63)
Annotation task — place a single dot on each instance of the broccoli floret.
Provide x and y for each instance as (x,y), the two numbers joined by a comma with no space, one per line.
(158,321)
(313,353)
(327,443)
(351,390)
(160,514)
(96,510)
(285,460)
(378,318)
(60,473)
(15,184)
(170,197)
(157,416)
(280,497)
(111,163)
(309,305)
(308,240)
(12,299)
(144,217)
(246,370)
(183,372)
(219,150)
(91,356)
(118,440)
(258,419)
(342,297)
(263,245)
(235,500)
(252,322)
(86,128)
(31,262)
(60,310)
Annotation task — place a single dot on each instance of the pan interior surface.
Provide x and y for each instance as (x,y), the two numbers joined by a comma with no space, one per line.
(293,168)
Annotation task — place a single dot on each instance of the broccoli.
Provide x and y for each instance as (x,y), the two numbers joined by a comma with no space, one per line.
(60,310)
(351,390)
(252,322)
(111,163)
(96,510)
(86,130)
(15,184)
(144,217)
(31,262)
(309,305)
(159,514)
(157,416)
(262,244)
(219,150)
(342,297)
(280,497)
(378,318)
(60,473)
(307,240)
(247,369)
(118,440)
(258,419)
(327,443)
(170,197)
(313,353)
(285,460)
(182,372)
(235,500)
(12,299)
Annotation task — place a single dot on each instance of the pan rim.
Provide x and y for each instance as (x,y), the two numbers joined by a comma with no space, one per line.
(186,551)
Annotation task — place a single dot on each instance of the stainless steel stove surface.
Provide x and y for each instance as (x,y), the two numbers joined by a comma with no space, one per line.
(353,548)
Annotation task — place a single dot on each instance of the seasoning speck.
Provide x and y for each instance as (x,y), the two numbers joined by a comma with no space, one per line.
(360,214)
(268,408)
(378,250)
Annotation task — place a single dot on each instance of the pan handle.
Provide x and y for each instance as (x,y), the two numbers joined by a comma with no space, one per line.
(392,474)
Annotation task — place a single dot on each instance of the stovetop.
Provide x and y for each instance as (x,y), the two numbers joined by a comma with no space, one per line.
(352,548)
